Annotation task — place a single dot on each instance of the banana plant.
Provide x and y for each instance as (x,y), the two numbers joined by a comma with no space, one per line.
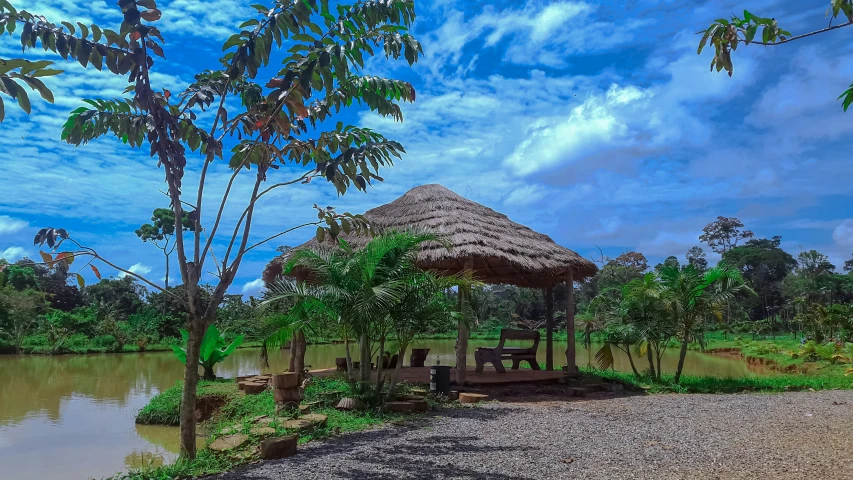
(213,349)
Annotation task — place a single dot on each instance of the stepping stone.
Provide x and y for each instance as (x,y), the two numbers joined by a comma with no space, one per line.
(419,392)
(299,425)
(236,428)
(472,397)
(317,419)
(262,431)
(281,447)
(261,419)
(307,406)
(228,442)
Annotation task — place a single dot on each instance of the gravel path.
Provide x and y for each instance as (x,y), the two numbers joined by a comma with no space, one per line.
(784,436)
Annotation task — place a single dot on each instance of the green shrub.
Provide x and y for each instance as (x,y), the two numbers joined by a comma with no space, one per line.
(105,341)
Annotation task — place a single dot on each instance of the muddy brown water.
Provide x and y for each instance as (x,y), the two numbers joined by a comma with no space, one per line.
(72,416)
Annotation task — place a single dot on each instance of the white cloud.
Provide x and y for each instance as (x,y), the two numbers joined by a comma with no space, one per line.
(253,286)
(9,225)
(843,233)
(12,254)
(137,268)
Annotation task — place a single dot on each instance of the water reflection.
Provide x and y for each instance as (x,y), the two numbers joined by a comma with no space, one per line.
(78,411)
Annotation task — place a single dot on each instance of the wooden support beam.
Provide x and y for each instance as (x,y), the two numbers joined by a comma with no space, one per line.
(462,337)
(549,332)
(570,323)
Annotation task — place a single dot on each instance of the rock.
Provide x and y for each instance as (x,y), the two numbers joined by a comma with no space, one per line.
(299,425)
(400,407)
(419,392)
(616,387)
(262,431)
(420,405)
(472,397)
(281,447)
(236,428)
(252,388)
(228,442)
(318,420)
(286,380)
(261,419)
(242,378)
(350,404)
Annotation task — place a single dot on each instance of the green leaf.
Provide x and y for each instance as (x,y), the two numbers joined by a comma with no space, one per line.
(233,41)
(180,353)
(234,345)
(80,281)
(208,343)
(750,33)
(23,100)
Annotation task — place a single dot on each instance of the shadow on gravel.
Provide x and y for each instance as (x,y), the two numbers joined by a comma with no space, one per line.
(387,454)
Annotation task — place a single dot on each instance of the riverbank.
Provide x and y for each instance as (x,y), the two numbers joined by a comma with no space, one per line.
(784,436)
(225,411)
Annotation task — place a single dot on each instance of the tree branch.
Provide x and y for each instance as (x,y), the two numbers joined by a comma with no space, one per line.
(200,196)
(279,234)
(798,37)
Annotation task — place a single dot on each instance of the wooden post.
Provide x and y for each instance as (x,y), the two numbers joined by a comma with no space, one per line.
(549,332)
(570,323)
(462,337)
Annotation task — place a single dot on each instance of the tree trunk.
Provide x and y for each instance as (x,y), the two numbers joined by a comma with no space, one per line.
(681,357)
(651,360)
(166,281)
(631,360)
(188,396)
(393,385)
(364,376)
(379,368)
(297,352)
(350,373)
(208,372)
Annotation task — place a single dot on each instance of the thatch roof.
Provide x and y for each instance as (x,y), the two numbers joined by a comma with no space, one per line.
(502,251)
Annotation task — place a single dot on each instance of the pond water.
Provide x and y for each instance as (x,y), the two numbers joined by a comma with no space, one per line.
(72,416)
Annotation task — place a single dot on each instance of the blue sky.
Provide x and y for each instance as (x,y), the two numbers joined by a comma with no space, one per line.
(595,123)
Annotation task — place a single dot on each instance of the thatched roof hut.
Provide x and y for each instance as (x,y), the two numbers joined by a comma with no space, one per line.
(496,249)
(500,250)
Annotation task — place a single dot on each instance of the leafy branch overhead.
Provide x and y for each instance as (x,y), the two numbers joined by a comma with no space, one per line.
(725,35)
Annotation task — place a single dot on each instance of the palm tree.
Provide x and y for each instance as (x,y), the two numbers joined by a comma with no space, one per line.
(355,288)
(689,295)
(654,328)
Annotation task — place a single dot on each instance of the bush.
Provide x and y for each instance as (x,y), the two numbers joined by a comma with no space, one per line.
(105,341)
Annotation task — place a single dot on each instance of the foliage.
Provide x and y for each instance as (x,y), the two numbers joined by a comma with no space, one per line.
(214,349)
(695,384)
(724,234)
(160,232)
(124,296)
(19,314)
(697,258)
(725,36)
(371,294)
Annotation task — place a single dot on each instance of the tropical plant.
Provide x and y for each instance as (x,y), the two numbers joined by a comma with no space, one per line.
(372,293)
(324,48)
(20,312)
(214,349)
(690,295)
(725,35)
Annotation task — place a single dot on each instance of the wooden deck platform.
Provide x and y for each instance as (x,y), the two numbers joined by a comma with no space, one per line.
(489,377)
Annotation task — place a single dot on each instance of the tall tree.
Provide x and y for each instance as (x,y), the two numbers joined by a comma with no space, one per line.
(326,49)
(764,265)
(697,258)
(160,233)
(724,233)
(848,265)
(726,35)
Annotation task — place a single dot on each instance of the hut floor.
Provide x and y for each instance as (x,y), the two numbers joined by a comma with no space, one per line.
(489,377)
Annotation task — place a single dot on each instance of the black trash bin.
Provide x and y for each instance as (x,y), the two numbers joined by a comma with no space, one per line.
(439,379)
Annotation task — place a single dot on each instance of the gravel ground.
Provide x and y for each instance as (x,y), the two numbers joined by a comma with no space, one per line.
(783,436)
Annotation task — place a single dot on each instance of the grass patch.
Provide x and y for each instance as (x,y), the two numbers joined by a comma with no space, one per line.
(830,380)
(165,407)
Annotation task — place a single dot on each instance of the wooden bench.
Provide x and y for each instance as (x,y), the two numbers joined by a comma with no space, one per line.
(495,355)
